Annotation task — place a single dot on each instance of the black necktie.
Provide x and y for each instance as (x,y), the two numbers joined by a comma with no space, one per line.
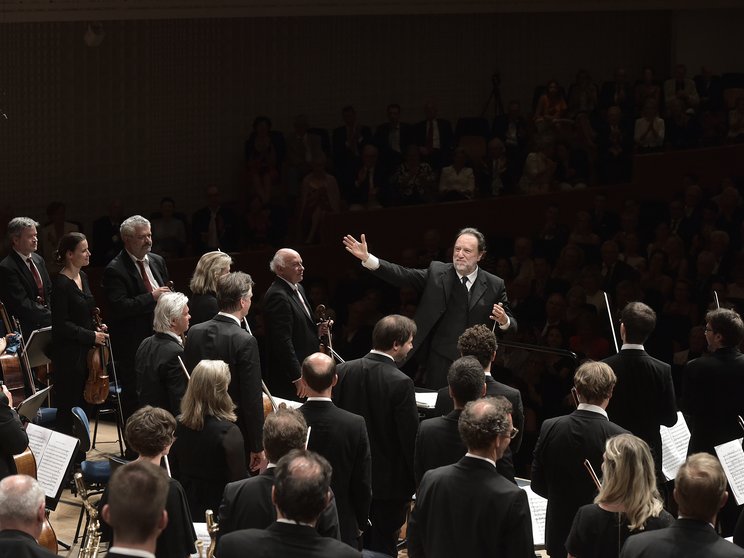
(465,285)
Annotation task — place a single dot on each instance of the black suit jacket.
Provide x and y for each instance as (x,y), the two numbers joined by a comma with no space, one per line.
(290,336)
(505,465)
(283,540)
(712,388)
(130,306)
(246,504)
(341,152)
(436,285)
(374,388)
(202,308)
(19,293)
(341,437)
(227,230)
(446,136)
(685,538)
(13,438)
(438,443)
(17,544)
(643,398)
(382,141)
(161,381)
(221,338)
(558,472)
(468,509)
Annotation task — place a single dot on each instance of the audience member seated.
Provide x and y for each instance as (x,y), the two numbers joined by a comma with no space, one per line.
(22,516)
(51,233)
(434,137)
(615,148)
(736,122)
(709,90)
(348,141)
(647,88)
(628,502)
(369,189)
(319,196)
(649,129)
(150,432)
(679,86)
(572,167)
(208,451)
(264,152)
(492,174)
(169,231)
(303,148)
(618,92)
(214,227)
(414,181)
(392,137)
(457,181)
(681,130)
(512,129)
(538,175)
(203,285)
(551,107)
(106,239)
(582,95)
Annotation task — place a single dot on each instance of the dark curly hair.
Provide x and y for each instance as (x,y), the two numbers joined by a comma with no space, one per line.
(478,341)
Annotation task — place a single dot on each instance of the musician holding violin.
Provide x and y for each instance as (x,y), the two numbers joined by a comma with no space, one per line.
(74,331)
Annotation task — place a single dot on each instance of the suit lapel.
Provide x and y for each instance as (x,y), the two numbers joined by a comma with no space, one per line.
(156,271)
(25,272)
(293,297)
(134,273)
(478,288)
(449,282)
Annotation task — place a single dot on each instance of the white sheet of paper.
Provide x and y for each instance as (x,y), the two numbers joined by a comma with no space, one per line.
(53,452)
(427,400)
(538,508)
(731,457)
(291,404)
(674,442)
(201,535)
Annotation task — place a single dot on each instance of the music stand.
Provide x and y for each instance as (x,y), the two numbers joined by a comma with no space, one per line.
(37,346)
(31,405)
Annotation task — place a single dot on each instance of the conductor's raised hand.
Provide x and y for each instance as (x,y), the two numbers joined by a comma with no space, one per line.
(356,247)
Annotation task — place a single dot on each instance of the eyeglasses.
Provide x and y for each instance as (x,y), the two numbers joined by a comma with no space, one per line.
(512,433)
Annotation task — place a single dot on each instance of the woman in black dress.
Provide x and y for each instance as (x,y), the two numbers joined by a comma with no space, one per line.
(73,332)
(208,452)
(627,503)
(203,285)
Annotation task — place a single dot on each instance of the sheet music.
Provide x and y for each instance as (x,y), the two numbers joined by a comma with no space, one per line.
(427,399)
(674,442)
(538,508)
(53,452)
(291,404)
(202,534)
(731,457)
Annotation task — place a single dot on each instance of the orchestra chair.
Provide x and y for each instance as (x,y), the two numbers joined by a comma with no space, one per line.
(96,474)
(110,407)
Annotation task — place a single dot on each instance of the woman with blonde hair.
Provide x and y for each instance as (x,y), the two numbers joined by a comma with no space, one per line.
(203,301)
(627,503)
(208,451)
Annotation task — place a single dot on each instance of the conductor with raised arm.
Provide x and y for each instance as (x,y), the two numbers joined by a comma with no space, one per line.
(454,296)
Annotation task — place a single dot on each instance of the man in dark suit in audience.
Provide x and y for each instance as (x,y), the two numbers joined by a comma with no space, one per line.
(291,332)
(25,287)
(137,493)
(564,443)
(643,398)
(392,137)
(480,342)
(132,282)
(340,437)
(247,503)
(700,492)
(223,338)
(301,492)
(22,516)
(374,388)
(214,226)
(468,509)
(434,137)
(438,441)
(161,381)
(454,296)
(13,438)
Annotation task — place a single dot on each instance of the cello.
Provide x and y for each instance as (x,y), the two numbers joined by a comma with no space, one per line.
(26,465)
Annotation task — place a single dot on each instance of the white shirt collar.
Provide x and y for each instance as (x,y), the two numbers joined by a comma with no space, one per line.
(491,461)
(131,552)
(135,260)
(319,399)
(376,352)
(592,408)
(633,346)
(229,316)
(292,522)
(271,466)
(293,285)
(471,277)
(24,258)
(176,337)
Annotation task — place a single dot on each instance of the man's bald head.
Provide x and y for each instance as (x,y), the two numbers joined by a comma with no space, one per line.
(287,264)
(319,373)
(21,505)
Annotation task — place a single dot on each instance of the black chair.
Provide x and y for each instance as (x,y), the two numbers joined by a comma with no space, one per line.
(111,407)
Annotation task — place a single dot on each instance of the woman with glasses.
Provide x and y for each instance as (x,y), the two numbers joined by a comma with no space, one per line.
(628,502)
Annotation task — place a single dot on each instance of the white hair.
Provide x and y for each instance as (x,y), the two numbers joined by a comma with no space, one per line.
(169,307)
(20,499)
(128,226)
(278,261)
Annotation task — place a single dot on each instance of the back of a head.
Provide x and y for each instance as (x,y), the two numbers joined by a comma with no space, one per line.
(392,329)
(466,379)
(137,493)
(482,421)
(478,341)
(206,395)
(232,287)
(209,267)
(639,321)
(699,487)
(150,430)
(629,478)
(284,431)
(168,309)
(728,324)
(594,381)
(301,485)
(318,371)
(20,500)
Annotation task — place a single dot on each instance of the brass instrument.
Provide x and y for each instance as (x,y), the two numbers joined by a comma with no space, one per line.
(212,528)
(92,538)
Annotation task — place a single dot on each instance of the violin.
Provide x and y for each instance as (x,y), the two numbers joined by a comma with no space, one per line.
(26,465)
(97,385)
(326,341)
